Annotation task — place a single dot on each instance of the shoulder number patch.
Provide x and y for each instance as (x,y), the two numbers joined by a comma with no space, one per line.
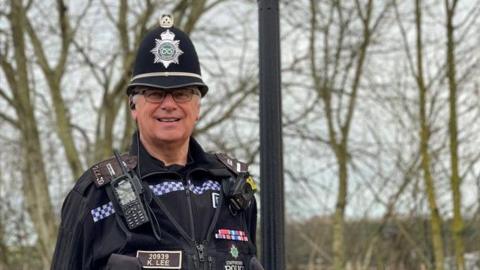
(233,164)
(109,169)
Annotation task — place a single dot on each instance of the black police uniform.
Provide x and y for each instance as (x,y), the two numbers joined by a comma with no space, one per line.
(197,228)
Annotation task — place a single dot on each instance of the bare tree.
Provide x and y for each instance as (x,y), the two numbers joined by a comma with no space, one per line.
(455,180)
(424,137)
(332,83)
(35,183)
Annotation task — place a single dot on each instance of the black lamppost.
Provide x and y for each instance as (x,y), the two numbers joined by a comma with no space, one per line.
(271,160)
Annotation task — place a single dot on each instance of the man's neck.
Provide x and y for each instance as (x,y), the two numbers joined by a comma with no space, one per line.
(169,154)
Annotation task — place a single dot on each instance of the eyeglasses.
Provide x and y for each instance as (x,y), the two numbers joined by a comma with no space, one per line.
(180,95)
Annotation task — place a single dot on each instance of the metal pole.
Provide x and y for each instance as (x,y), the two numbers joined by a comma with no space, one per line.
(271,160)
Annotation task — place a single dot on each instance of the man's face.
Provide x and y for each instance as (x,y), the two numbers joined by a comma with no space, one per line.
(164,121)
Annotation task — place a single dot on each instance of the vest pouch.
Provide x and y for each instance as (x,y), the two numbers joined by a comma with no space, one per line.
(123,262)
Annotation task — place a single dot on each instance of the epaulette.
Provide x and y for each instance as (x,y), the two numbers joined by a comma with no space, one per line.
(109,169)
(232,164)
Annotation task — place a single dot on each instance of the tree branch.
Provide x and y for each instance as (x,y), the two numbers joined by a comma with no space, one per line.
(66,37)
(13,122)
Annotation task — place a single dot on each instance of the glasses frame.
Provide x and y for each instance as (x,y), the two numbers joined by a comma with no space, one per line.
(148,94)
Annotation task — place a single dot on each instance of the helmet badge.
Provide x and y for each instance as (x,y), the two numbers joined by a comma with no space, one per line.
(166,21)
(166,50)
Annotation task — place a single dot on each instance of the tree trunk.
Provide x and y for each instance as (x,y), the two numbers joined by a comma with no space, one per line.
(339,216)
(436,222)
(455,181)
(4,265)
(338,129)
(64,128)
(35,183)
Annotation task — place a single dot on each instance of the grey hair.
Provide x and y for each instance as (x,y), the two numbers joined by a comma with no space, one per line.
(134,97)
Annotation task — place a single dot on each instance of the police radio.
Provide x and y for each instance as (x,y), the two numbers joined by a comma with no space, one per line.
(127,190)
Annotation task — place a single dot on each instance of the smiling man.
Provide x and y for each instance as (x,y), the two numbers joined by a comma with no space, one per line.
(167,204)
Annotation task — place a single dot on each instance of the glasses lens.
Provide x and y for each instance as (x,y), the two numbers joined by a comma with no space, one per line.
(154,95)
(182,95)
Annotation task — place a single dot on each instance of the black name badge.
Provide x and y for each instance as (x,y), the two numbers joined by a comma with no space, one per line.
(160,259)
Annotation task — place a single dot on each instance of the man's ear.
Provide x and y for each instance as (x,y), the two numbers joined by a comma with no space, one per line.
(198,112)
(133,111)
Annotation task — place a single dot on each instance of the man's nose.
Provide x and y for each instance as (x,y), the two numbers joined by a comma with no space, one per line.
(168,102)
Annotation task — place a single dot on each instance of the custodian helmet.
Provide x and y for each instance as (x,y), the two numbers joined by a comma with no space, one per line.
(167,59)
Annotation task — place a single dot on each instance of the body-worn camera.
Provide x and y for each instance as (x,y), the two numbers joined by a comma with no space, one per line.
(240,191)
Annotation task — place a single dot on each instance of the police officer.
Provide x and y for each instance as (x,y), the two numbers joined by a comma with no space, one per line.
(167,204)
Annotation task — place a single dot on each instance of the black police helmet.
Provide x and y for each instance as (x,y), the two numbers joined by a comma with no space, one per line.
(167,59)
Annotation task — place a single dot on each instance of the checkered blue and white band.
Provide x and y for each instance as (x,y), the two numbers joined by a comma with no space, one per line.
(163,188)
(208,185)
(167,187)
(102,212)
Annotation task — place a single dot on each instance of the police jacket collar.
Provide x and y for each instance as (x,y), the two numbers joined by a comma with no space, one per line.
(197,157)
